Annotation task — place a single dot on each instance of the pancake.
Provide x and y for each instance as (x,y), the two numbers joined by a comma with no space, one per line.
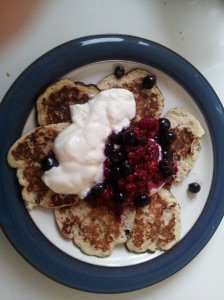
(149,102)
(156,225)
(53,104)
(187,145)
(26,155)
(95,230)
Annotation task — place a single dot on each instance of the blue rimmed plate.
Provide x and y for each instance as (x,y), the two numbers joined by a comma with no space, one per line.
(88,60)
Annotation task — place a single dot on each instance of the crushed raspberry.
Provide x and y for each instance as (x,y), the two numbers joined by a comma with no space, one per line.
(150,125)
(137,169)
(129,178)
(150,166)
(139,153)
(130,187)
(156,177)
(121,184)
(143,175)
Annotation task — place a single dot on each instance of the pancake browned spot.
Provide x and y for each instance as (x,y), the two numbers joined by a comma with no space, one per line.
(149,102)
(95,230)
(53,104)
(187,145)
(181,147)
(157,225)
(26,155)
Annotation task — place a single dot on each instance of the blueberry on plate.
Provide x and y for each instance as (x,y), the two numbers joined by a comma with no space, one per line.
(194,187)
(119,71)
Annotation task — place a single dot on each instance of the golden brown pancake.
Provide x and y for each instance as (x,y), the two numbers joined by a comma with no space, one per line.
(26,155)
(149,102)
(157,225)
(53,104)
(187,145)
(95,230)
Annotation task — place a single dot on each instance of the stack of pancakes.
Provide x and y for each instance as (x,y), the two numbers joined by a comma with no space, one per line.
(96,230)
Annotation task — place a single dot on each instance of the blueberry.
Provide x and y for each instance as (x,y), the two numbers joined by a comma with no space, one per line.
(164,124)
(129,137)
(167,138)
(143,141)
(115,173)
(166,154)
(149,82)
(126,167)
(164,166)
(49,162)
(168,173)
(116,156)
(170,137)
(141,200)
(89,197)
(194,187)
(119,71)
(109,147)
(156,139)
(98,189)
(116,138)
(119,198)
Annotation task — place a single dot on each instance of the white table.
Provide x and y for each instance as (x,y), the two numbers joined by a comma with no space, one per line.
(195,30)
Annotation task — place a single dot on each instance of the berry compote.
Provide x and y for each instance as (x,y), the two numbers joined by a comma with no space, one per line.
(137,163)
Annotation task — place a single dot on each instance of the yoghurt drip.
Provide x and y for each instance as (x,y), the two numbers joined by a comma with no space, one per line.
(79,148)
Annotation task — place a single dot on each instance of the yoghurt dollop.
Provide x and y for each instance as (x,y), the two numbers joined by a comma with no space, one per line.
(80,147)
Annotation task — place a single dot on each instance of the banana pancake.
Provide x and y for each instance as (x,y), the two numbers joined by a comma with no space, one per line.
(149,101)
(94,229)
(53,104)
(156,225)
(26,155)
(187,145)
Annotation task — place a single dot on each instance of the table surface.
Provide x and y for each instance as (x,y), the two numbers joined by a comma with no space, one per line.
(195,30)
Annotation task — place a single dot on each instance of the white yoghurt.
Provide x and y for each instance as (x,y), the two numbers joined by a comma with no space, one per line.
(79,148)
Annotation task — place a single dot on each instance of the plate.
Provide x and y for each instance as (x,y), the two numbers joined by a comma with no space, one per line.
(191,208)
(89,59)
